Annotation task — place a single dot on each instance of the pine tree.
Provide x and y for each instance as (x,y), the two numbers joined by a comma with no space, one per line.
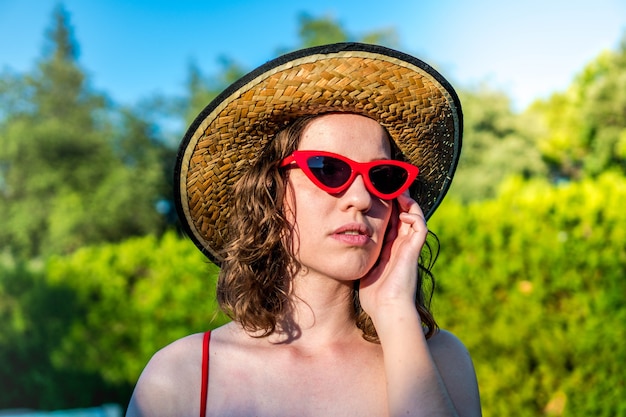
(64,178)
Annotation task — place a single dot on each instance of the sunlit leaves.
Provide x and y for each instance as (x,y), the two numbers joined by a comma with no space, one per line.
(586,123)
(533,282)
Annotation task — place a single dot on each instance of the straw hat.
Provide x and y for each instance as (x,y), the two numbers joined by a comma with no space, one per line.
(416,105)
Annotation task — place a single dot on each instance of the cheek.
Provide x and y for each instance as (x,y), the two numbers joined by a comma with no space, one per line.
(297,195)
(385,212)
(303,210)
(310,209)
(390,224)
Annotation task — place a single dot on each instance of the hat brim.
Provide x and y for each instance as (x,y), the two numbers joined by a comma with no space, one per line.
(417,106)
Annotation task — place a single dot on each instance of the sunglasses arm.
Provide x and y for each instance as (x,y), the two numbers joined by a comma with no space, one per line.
(290,160)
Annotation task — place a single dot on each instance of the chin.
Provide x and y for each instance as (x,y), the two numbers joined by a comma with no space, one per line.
(353,274)
(348,266)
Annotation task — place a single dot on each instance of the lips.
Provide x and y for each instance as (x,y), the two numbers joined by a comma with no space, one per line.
(354,229)
(354,234)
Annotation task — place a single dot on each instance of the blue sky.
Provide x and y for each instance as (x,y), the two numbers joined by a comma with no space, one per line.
(132,49)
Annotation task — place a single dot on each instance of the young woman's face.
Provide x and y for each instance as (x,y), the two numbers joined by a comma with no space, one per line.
(339,235)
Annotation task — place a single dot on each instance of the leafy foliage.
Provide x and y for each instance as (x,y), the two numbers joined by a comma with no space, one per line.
(73,170)
(533,283)
(34,319)
(586,125)
(106,310)
(497,143)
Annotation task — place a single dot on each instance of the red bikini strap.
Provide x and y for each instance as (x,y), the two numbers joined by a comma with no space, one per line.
(205,373)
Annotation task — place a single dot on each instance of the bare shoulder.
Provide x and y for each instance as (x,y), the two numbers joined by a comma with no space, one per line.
(170,383)
(457,372)
(451,356)
(444,342)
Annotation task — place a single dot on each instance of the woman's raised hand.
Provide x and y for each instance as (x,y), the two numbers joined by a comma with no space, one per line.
(392,283)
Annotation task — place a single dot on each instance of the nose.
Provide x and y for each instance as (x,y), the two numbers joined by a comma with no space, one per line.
(357,196)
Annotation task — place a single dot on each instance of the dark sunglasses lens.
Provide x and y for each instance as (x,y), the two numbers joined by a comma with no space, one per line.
(388,178)
(330,171)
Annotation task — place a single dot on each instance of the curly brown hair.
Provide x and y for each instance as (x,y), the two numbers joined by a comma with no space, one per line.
(254,282)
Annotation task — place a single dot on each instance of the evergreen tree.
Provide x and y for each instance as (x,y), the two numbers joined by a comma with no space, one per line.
(64,181)
(585,131)
(497,143)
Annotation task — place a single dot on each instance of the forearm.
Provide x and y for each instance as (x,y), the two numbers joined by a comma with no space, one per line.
(414,385)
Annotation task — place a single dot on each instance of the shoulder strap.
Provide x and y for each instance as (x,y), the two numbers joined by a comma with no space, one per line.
(205,373)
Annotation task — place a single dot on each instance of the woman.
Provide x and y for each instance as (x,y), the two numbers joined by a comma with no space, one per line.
(301,181)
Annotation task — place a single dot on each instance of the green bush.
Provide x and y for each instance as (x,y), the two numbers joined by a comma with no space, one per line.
(534,285)
(34,319)
(94,318)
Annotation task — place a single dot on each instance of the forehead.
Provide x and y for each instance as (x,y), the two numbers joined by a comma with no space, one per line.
(347,134)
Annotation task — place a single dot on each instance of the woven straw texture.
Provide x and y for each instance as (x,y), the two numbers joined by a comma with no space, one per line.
(414,103)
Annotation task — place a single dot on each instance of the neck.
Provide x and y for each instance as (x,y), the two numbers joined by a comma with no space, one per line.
(321,311)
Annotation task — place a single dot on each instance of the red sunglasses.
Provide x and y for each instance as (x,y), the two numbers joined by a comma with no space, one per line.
(333,173)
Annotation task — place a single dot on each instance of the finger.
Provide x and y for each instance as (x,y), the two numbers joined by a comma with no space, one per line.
(415,221)
(408,205)
(410,211)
